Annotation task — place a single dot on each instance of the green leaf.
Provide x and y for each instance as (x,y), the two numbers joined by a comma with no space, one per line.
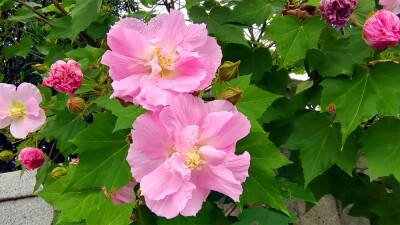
(347,158)
(125,115)
(382,147)
(74,206)
(42,173)
(63,128)
(209,214)
(21,49)
(254,102)
(87,56)
(255,11)
(318,141)
(84,13)
(260,186)
(359,99)
(340,56)
(253,61)
(22,15)
(265,216)
(276,81)
(364,8)
(102,158)
(294,38)
(216,24)
(62,28)
(296,191)
(110,214)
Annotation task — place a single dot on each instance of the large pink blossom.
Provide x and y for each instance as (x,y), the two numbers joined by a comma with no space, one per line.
(186,150)
(150,64)
(64,76)
(382,30)
(20,108)
(31,158)
(391,5)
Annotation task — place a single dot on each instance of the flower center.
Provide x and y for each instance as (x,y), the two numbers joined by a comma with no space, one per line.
(193,159)
(163,61)
(17,111)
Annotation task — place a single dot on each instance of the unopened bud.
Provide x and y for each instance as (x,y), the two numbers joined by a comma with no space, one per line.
(6,156)
(58,172)
(40,68)
(75,104)
(231,94)
(331,108)
(228,70)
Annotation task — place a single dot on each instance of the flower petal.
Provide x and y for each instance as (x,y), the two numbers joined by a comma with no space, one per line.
(27,90)
(171,205)
(122,66)
(150,138)
(238,165)
(187,138)
(222,129)
(212,156)
(195,36)
(21,127)
(140,164)
(127,42)
(195,203)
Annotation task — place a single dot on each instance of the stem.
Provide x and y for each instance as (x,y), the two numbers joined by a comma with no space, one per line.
(59,7)
(31,8)
(354,20)
(262,31)
(52,147)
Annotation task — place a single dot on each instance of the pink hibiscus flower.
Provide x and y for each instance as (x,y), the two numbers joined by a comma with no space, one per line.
(186,150)
(382,29)
(391,5)
(64,76)
(150,64)
(20,108)
(31,158)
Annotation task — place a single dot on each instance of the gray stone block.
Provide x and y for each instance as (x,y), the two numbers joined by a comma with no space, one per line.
(12,185)
(26,211)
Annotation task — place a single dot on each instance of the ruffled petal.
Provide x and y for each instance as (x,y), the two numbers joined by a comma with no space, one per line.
(27,90)
(21,127)
(127,88)
(140,164)
(195,203)
(171,205)
(212,156)
(195,36)
(238,165)
(127,42)
(150,138)
(123,66)
(222,129)
(187,138)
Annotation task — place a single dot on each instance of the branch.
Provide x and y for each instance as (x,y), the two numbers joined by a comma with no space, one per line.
(59,7)
(32,9)
(261,31)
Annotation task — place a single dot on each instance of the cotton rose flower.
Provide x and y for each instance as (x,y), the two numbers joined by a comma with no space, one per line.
(126,194)
(382,30)
(64,76)
(20,108)
(391,5)
(31,158)
(184,151)
(150,64)
(337,12)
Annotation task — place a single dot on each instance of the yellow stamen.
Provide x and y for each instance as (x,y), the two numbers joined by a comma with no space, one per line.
(17,111)
(193,159)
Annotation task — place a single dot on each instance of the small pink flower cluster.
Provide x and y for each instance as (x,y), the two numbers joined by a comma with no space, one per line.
(183,148)
(64,76)
(382,30)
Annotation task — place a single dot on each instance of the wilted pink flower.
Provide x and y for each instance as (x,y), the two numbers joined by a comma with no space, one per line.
(391,5)
(150,64)
(75,161)
(337,11)
(186,150)
(382,29)
(64,76)
(20,108)
(31,158)
(126,194)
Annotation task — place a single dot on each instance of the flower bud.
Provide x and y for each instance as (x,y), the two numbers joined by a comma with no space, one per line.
(75,161)
(40,68)
(382,30)
(228,70)
(75,104)
(337,11)
(31,158)
(6,156)
(58,172)
(231,94)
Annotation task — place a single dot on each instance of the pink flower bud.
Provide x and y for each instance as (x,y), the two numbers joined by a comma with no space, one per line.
(75,104)
(75,161)
(64,76)
(382,30)
(31,158)
(337,11)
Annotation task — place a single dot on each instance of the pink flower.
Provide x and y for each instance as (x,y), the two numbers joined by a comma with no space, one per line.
(31,158)
(150,64)
(391,5)
(20,108)
(382,29)
(126,194)
(186,150)
(75,161)
(64,76)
